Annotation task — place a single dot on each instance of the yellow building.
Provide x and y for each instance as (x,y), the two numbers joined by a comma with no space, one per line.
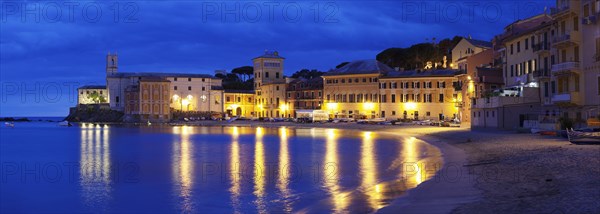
(239,103)
(352,91)
(575,71)
(419,95)
(269,86)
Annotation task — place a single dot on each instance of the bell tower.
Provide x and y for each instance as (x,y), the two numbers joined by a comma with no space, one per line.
(112,62)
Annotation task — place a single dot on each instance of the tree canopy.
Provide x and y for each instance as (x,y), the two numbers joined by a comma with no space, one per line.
(417,55)
(307,74)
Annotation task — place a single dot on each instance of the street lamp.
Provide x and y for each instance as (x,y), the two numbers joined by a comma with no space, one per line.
(175,98)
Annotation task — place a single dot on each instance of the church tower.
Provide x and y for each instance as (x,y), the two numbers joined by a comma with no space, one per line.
(112,62)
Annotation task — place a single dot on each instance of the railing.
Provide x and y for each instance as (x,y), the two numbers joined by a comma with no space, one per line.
(561,38)
(541,73)
(540,47)
(565,66)
(561,97)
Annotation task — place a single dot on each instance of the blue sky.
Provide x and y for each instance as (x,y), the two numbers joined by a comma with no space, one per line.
(48,48)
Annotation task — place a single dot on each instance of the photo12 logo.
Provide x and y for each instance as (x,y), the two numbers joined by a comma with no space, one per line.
(68,11)
(274,11)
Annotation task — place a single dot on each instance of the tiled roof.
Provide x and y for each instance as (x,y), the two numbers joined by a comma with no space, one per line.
(93,87)
(270,54)
(154,79)
(162,75)
(426,73)
(479,43)
(369,66)
(239,91)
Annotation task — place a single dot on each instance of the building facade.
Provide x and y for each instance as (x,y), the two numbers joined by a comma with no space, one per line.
(239,103)
(187,92)
(270,86)
(92,94)
(352,91)
(305,94)
(149,100)
(419,95)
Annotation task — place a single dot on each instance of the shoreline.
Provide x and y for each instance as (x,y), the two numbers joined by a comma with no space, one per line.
(501,171)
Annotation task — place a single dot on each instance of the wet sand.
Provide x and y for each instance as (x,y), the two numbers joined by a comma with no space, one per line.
(493,171)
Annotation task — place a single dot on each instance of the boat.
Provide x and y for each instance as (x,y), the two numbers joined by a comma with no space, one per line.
(584,136)
(65,123)
(9,124)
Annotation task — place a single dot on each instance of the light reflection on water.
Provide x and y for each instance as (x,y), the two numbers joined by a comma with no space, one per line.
(95,166)
(358,171)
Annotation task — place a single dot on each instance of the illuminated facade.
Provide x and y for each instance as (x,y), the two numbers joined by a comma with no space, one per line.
(239,103)
(270,86)
(352,91)
(419,95)
(466,48)
(305,94)
(187,92)
(92,94)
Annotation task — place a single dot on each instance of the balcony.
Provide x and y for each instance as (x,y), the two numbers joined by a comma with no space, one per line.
(565,68)
(541,48)
(543,73)
(566,40)
(569,97)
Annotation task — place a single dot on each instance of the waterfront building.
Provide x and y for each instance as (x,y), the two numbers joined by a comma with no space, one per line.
(187,92)
(270,86)
(305,94)
(149,100)
(352,91)
(574,92)
(92,94)
(419,95)
(239,103)
(517,103)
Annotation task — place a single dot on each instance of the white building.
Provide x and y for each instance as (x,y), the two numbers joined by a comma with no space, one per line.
(92,94)
(188,92)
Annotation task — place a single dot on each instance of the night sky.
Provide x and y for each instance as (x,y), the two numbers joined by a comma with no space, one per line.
(49,48)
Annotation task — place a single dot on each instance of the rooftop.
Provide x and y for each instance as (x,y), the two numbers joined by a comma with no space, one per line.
(479,43)
(270,54)
(92,87)
(161,75)
(233,91)
(425,73)
(369,66)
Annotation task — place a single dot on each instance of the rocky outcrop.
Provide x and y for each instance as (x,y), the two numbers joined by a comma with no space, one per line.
(94,113)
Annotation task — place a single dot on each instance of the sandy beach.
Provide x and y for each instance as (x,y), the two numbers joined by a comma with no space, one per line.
(492,171)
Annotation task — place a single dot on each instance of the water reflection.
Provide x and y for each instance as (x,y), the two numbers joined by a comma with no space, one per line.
(412,170)
(368,171)
(331,172)
(183,167)
(234,169)
(259,171)
(95,165)
(284,175)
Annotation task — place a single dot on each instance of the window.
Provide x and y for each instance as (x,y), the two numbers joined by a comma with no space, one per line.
(175,88)
(383,98)
(511,49)
(532,41)
(189,88)
(189,79)
(598,85)
(266,74)
(576,23)
(203,88)
(277,88)
(526,44)
(441,98)
(518,47)
(393,113)
(546,89)
(364,79)
(512,70)
(553,87)
(393,98)
(175,79)
(277,75)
